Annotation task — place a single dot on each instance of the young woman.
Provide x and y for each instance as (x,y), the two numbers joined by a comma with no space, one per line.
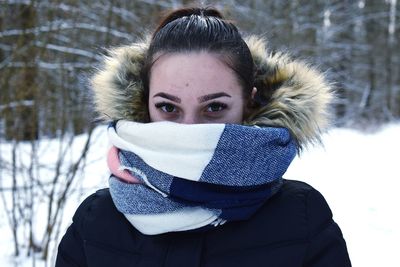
(203,125)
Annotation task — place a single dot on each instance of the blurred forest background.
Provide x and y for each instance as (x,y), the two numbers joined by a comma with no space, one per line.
(48,49)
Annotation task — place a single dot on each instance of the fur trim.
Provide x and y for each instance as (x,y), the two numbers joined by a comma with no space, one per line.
(296,95)
(117,87)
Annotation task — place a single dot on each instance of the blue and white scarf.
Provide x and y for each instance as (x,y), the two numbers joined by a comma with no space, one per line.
(190,176)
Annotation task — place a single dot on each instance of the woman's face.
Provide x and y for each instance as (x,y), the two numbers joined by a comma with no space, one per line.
(194,88)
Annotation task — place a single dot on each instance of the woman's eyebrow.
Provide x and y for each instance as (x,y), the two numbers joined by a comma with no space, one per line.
(211,96)
(168,96)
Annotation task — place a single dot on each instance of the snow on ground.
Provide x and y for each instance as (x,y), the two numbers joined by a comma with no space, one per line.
(94,177)
(358,174)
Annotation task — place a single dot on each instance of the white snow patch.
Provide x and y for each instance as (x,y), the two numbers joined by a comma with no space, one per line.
(358,174)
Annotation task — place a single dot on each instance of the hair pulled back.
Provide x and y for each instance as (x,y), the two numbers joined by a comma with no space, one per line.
(201,29)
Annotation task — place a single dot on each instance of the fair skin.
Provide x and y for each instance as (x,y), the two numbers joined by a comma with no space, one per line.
(194,87)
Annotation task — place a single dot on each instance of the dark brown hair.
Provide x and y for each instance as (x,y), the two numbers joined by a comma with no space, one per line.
(201,29)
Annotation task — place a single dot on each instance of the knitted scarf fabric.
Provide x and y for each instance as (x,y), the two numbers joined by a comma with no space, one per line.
(169,177)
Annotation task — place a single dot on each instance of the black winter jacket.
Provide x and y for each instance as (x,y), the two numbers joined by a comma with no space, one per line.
(294,228)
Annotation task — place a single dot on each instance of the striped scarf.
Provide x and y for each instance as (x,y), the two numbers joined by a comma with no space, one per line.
(169,177)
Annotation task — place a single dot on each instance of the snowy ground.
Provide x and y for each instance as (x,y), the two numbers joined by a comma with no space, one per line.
(357,173)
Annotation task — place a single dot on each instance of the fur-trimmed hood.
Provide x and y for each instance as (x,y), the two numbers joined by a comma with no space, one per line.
(298,95)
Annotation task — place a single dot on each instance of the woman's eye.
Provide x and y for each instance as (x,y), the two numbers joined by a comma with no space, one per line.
(166,107)
(215,107)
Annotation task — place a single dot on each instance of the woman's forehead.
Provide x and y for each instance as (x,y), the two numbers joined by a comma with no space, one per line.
(201,72)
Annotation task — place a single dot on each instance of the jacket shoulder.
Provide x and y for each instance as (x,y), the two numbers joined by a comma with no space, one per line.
(326,245)
(97,214)
(310,202)
(91,204)
(98,232)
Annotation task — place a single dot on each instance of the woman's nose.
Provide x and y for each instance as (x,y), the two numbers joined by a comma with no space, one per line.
(191,119)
